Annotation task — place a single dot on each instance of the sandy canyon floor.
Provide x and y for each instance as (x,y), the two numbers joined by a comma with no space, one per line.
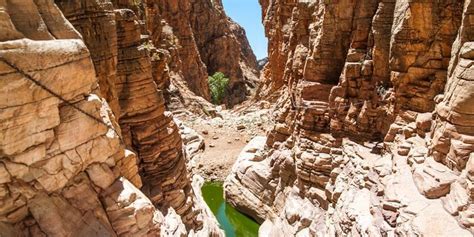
(224,137)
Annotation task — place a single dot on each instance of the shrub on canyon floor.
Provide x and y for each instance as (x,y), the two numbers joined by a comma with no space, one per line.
(218,84)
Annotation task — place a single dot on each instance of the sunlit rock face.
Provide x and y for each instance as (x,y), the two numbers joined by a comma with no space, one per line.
(69,164)
(453,129)
(209,42)
(354,64)
(101,42)
(373,133)
(61,154)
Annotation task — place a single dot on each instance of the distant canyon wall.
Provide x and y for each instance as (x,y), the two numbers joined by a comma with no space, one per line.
(200,39)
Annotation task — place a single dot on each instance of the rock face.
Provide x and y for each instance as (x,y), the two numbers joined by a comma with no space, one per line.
(364,143)
(64,153)
(453,136)
(262,63)
(350,75)
(200,48)
(50,172)
(102,43)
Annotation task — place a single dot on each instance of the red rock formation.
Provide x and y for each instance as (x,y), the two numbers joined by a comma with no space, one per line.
(146,127)
(164,53)
(96,23)
(453,129)
(177,15)
(361,71)
(205,48)
(62,154)
(356,62)
(454,126)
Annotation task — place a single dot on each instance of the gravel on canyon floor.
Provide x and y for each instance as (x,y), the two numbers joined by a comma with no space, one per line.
(224,137)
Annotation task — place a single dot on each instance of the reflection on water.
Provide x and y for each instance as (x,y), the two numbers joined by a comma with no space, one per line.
(234,223)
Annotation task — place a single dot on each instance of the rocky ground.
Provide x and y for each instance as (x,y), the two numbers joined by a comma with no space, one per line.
(224,137)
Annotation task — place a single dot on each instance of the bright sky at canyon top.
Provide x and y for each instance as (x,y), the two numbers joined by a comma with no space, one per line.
(248,14)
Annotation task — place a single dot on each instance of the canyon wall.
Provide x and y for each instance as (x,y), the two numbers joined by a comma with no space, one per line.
(65,154)
(50,171)
(374,133)
(199,39)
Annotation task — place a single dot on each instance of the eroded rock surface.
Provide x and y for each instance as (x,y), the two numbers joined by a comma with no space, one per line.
(50,171)
(198,48)
(69,164)
(95,21)
(365,141)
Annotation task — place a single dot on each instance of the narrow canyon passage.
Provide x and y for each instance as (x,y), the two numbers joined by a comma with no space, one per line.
(373,129)
(214,145)
(155,118)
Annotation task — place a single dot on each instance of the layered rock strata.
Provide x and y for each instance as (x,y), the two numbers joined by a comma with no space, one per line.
(357,74)
(50,171)
(146,127)
(63,155)
(96,23)
(453,128)
(166,64)
(202,48)
(355,150)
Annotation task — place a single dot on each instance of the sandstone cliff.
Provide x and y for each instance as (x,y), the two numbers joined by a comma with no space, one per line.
(64,154)
(50,171)
(354,151)
(198,48)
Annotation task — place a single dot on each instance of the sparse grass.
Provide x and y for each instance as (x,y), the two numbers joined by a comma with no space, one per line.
(151,50)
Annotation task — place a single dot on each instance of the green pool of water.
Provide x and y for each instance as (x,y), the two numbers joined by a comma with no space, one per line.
(234,223)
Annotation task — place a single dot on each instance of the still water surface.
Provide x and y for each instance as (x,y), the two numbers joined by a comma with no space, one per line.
(234,223)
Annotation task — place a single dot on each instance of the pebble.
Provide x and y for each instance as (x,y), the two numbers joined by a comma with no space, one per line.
(240,127)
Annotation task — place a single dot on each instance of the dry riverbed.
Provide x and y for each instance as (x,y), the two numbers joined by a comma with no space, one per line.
(224,136)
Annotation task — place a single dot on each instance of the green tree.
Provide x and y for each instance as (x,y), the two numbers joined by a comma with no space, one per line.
(218,84)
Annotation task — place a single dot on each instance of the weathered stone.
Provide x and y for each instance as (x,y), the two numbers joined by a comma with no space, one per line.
(433,180)
(245,172)
(102,42)
(101,175)
(63,162)
(423,122)
(130,212)
(195,58)
(365,70)
(4,175)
